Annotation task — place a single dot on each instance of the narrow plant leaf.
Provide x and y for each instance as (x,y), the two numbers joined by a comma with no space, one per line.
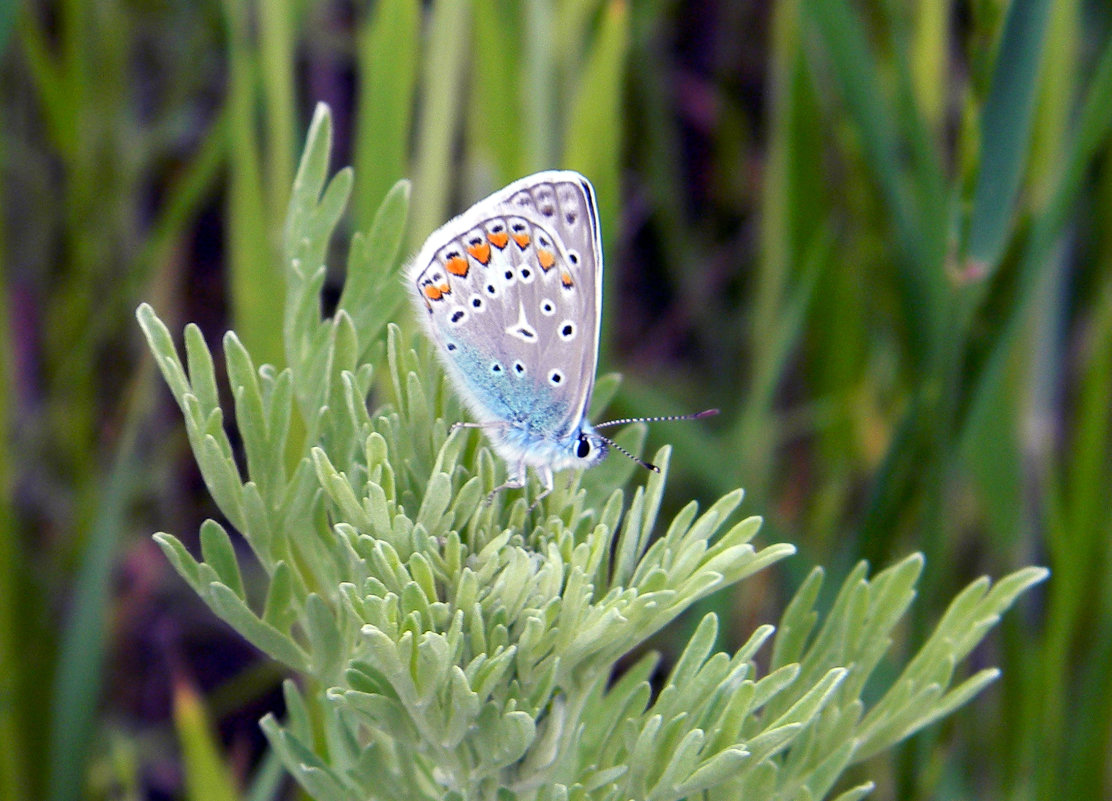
(1005,130)
(206,775)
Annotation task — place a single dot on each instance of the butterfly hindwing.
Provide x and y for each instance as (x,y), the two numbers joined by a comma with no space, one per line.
(512,290)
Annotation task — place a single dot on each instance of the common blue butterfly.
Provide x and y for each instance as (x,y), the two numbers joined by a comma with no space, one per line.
(511,293)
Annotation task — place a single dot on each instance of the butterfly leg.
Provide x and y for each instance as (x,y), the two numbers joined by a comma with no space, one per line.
(545,475)
(461,424)
(516,480)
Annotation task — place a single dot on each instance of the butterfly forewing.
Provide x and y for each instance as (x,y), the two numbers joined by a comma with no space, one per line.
(511,291)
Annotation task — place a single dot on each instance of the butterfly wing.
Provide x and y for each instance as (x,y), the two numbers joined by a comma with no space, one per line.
(511,292)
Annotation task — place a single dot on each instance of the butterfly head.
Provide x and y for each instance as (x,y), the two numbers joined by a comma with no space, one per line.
(589,448)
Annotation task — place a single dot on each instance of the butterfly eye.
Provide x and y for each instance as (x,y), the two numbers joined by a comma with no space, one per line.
(583,449)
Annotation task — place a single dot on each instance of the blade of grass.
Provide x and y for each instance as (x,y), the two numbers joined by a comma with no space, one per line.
(8,13)
(49,76)
(207,778)
(442,75)
(858,77)
(572,23)
(277,21)
(1076,538)
(756,432)
(189,190)
(388,57)
(928,58)
(1005,132)
(255,281)
(538,86)
(1093,127)
(593,143)
(78,678)
(1058,81)
(788,192)
(494,127)
(14,781)
(267,779)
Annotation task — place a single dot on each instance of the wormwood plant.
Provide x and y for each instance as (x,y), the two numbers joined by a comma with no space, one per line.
(453,649)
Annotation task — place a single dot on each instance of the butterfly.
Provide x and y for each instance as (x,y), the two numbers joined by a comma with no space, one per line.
(510,291)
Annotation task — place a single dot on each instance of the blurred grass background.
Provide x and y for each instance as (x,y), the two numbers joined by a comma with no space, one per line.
(873,233)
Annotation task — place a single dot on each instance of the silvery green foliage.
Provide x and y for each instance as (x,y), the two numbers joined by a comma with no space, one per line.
(460,650)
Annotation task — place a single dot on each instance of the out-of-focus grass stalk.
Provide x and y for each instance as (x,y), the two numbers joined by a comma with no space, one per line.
(1078,516)
(443,70)
(82,84)
(1005,132)
(277,22)
(538,85)
(268,779)
(755,428)
(1078,519)
(498,95)
(572,26)
(593,138)
(68,100)
(8,14)
(1093,126)
(78,678)
(388,57)
(1058,733)
(1073,723)
(189,189)
(991,442)
(49,78)
(207,777)
(593,142)
(855,71)
(916,214)
(252,255)
(1056,101)
(15,784)
(930,36)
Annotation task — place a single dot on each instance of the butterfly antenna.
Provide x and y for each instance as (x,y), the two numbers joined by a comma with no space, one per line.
(665,419)
(611,443)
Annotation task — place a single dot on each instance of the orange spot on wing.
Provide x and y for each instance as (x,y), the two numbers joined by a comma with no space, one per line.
(499,239)
(457,265)
(546,258)
(522,240)
(565,279)
(433,292)
(445,289)
(481,252)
